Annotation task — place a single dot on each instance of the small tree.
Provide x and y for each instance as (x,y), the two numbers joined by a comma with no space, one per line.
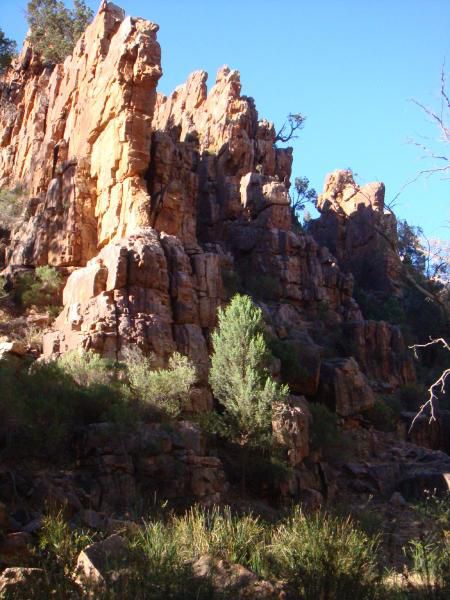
(55,29)
(7,50)
(239,377)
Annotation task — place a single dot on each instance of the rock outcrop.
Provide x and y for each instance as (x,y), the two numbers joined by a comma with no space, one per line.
(160,207)
(78,137)
(355,226)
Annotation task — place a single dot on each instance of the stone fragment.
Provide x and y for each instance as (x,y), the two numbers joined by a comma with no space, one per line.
(236,580)
(99,563)
(20,581)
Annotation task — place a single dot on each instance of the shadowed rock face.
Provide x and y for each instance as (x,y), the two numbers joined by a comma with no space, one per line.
(356,228)
(154,202)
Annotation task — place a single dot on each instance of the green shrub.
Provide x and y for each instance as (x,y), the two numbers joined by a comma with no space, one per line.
(261,286)
(382,416)
(436,508)
(231,282)
(55,29)
(41,408)
(87,367)
(291,358)
(163,389)
(238,375)
(61,543)
(7,51)
(40,288)
(12,204)
(325,557)
(325,434)
(431,563)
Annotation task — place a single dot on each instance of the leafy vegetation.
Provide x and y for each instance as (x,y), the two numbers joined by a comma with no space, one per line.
(163,389)
(41,288)
(239,377)
(54,28)
(7,50)
(315,556)
(12,204)
(41,407)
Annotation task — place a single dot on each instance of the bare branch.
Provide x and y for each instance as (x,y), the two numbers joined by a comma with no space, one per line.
(294,122)
(437,386)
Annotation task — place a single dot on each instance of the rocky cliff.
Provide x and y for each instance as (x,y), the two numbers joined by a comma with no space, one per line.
(160,207)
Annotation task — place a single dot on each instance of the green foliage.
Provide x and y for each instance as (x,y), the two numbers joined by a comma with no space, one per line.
(238,375)
(54,28)
(60,543)
(87,368)
(7,50)
(325,557)
(431,562)
(410,247)
(390,309)
(301,195)
(12,204)
(40,408)
(325,434)
(231,282)
(261,286)
(383,415)
(163,389)
(436,508)
(315,556)
(3,293)
(40,288)
(291,357)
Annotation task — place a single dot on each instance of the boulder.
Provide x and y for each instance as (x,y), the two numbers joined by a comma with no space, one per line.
(344,388)
(100,563)
(235,579)
(18,582)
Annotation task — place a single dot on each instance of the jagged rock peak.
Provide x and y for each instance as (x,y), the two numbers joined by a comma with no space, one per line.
(342,194)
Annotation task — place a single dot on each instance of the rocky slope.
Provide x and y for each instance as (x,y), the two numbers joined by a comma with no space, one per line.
(154,203)
(159,208)
(156,210)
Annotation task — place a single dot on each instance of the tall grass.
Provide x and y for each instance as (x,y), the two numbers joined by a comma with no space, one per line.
(326,557)
(317,557)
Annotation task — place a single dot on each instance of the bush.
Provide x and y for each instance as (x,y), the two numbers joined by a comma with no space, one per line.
(163,389)
(55,29)
(325,557)
(40,288)
(12,204)
(317,556)
(41,408)
(325,434)
(291,357)
(382,416)
(412,395)
(87,368)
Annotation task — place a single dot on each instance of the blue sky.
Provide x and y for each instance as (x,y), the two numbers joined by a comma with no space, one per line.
(351,66)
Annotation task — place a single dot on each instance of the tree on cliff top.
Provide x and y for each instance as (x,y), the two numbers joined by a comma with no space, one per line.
(55,29)
(7,50)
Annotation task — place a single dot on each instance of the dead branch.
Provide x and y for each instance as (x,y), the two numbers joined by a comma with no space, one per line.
(293,123)
(437,386)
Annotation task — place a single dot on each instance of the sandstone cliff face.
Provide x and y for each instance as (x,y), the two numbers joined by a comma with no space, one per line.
(357,229)
(157,202)
(78,138)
